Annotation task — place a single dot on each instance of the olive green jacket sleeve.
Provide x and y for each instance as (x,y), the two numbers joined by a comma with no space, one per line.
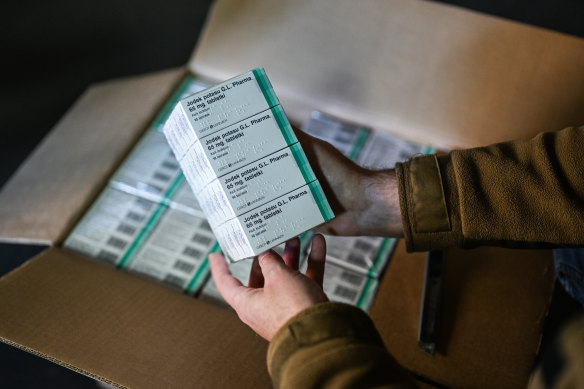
(332,345)
(514,194)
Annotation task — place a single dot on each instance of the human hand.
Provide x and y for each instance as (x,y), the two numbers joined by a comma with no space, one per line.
(365,202)
(276,291)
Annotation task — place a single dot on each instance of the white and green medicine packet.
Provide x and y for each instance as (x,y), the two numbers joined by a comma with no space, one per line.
(243,162)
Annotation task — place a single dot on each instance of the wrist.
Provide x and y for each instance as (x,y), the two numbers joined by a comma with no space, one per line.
(381,215)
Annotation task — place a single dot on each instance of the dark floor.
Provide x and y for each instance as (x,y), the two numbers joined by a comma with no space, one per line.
(51,52)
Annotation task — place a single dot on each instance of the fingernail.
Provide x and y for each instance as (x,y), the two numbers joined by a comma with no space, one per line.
(261,255)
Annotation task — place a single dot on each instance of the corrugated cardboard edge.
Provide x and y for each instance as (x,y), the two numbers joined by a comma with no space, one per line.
(421,70)
(59,362)
(123,330)
(67,170)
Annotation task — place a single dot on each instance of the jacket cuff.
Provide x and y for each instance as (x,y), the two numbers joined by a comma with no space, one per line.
(315,325)
(429,203)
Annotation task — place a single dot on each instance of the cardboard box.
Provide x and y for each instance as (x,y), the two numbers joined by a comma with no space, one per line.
(421,70)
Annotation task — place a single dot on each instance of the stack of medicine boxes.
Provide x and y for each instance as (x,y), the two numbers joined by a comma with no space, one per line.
(242,160)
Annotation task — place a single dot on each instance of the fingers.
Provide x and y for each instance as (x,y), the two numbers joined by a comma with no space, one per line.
(292,253)
(290,259)
(316,259)
(227,285)
(272,266)
(256,278)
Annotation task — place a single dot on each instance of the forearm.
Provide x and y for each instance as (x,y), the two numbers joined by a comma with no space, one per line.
(513,194)
(332,345)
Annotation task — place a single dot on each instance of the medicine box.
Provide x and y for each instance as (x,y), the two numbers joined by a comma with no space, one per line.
(245,165)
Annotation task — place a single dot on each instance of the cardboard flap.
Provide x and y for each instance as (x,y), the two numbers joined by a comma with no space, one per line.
(109,324)
(70,165)
(493,308)
(422,70)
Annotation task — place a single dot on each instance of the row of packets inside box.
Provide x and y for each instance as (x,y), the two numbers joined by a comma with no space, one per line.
(170,245)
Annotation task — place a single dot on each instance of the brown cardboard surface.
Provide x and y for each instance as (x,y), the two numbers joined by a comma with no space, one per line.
(494,305)
(53,187)
(109,324)
(422,70)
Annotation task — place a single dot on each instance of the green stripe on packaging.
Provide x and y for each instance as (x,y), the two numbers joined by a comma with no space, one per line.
(144,232)
(429,150)
(365,293)
(202,272)
(302,163)
(382,253)
(266,87)
(284,125)
(325,204)
(174,186)
(171,103)
(152,221)
(359,143)
(321,202)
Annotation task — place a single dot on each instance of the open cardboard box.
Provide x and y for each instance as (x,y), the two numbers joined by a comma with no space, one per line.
(420,70)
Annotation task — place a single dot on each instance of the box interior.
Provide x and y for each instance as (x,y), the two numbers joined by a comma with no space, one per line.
(421,70)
